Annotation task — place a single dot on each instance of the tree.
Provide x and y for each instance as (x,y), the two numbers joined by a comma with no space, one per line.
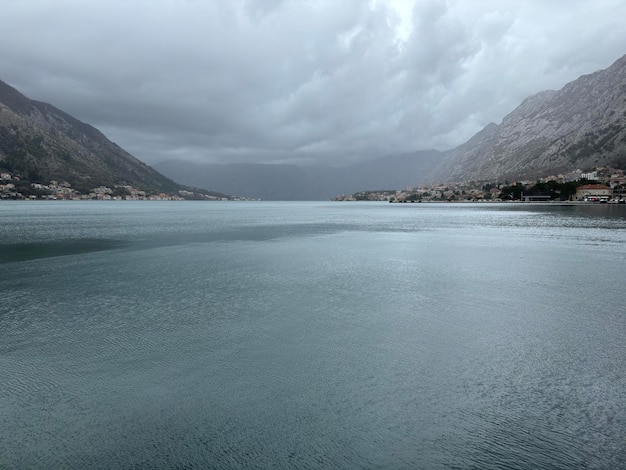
(511,193)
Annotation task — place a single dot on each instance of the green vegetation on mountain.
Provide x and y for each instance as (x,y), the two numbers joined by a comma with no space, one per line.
(40,143)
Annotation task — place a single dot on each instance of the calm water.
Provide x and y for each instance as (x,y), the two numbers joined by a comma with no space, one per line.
(312,335)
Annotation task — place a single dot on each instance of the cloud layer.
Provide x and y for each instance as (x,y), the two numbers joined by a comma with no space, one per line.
(299,80)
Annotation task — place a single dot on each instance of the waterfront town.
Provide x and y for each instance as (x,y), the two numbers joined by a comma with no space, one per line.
(15,187)
(603,184)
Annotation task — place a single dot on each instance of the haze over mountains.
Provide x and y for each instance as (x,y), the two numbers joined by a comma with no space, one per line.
(312,182)
(583,125)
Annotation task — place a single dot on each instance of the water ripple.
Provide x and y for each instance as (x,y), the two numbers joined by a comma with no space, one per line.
(13,252)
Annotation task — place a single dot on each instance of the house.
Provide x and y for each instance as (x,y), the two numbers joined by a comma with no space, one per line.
(592,175)
(593,192)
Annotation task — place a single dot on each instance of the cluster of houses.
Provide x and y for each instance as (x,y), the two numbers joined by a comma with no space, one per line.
(12,187)
(604,185)
(7,185)
(104,193)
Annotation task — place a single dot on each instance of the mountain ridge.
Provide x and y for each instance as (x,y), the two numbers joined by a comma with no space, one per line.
(42,143)
(582,125)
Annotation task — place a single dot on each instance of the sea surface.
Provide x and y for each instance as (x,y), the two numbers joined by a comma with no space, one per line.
(312,335)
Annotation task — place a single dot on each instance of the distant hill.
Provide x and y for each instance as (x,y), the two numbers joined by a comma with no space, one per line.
(43,143)
(583,125)
(293,182)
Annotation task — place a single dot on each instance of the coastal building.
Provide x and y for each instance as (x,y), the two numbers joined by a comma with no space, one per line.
(619,193)
(536,196)
(573,176)
(591,176)
(593,192)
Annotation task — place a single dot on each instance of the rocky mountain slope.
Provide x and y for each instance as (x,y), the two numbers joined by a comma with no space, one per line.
(42,143)
(583,125)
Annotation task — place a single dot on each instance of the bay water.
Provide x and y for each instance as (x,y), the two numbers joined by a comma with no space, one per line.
(312,335)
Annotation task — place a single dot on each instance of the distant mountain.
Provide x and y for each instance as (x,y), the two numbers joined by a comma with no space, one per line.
(42,143)
(293,182)
(583,125)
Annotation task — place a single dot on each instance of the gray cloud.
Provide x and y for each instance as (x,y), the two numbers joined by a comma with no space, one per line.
(295,80)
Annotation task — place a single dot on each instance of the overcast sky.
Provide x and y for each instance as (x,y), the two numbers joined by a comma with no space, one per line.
(299,80)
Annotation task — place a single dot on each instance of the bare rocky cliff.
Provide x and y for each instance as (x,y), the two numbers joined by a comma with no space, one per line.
(583,125)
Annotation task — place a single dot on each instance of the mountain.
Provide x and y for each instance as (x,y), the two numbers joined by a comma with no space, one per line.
(293,182)
(43,143)
(583,125)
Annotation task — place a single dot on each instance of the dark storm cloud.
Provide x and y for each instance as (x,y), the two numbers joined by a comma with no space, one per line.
(298,81)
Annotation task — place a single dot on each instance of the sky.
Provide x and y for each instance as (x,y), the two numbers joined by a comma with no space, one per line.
(299,81)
